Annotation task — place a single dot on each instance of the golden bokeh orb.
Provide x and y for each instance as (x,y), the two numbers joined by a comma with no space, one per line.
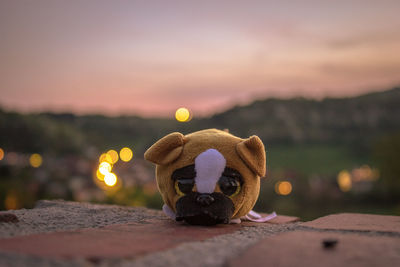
(125,154)
(105,157)
(113,154)
(110,179)
(344,181)
(1,153)
(182,114)
(11,201)
(283,188)
(99,175)
(35,160)
(105,167)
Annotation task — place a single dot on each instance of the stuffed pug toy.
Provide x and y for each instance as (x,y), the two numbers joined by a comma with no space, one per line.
(208,177)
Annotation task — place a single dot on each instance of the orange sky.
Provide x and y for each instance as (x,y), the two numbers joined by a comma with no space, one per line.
(151,57)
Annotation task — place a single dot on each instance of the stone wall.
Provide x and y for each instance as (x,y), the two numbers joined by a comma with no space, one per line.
(60,233)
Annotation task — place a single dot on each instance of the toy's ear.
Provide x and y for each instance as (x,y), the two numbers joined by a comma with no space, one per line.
(166,150)
(252,152)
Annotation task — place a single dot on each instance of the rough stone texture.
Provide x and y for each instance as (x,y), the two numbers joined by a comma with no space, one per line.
(59,215)
(8,218)
(357,222)
(123,240)
(106,235)
(215,251)
(211,252)
(302,248)
(62,216)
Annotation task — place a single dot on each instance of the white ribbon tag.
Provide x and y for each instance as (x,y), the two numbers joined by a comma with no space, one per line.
(255,217)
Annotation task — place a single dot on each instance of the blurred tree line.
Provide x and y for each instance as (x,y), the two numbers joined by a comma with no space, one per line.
(358,122)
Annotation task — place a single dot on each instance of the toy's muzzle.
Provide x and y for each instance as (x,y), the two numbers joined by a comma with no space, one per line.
(204,209)
(205,200)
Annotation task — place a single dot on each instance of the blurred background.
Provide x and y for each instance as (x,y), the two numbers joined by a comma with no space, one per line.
(88,86)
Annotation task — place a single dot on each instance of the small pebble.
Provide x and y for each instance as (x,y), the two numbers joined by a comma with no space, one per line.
(329,243)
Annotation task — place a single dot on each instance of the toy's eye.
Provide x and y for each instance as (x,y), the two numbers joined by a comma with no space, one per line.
(229,186)
(184,186)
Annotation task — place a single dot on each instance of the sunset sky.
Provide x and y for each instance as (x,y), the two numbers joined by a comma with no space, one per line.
(151,57)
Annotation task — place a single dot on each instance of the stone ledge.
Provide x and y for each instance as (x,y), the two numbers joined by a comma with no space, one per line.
(59,215)
(302,248)
(57,233)
(359,222)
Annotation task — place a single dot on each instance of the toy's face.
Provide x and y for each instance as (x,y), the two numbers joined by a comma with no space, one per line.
(205,190)
(208,177)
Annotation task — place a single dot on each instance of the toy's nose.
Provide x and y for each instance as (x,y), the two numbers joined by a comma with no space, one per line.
(205,199)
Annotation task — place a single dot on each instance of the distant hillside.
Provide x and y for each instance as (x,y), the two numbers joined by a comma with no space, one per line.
(356,121)
(299,120)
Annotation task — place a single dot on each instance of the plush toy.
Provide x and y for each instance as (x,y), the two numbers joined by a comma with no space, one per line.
(209,177)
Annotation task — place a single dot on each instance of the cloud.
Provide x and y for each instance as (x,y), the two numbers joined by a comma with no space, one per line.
(372,38)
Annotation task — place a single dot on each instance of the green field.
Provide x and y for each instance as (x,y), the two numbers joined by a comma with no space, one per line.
(313,158)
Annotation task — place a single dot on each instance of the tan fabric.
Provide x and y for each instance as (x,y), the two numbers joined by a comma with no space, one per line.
(165,150)
(252,152)
(175,151)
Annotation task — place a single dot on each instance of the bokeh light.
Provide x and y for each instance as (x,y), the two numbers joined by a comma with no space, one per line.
(1,153)
(364,173)
(344,181)
(35,160)
(105,157)
(126,154)
(105,167)
(104,178)
(11,201)
(283,188)
(113,154)
(182,115)
(110,179)
(99,175)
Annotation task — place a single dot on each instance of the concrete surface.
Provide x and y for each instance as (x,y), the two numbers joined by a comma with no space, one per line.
(361,222)
(60,233)
(59,215)
(301,248)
